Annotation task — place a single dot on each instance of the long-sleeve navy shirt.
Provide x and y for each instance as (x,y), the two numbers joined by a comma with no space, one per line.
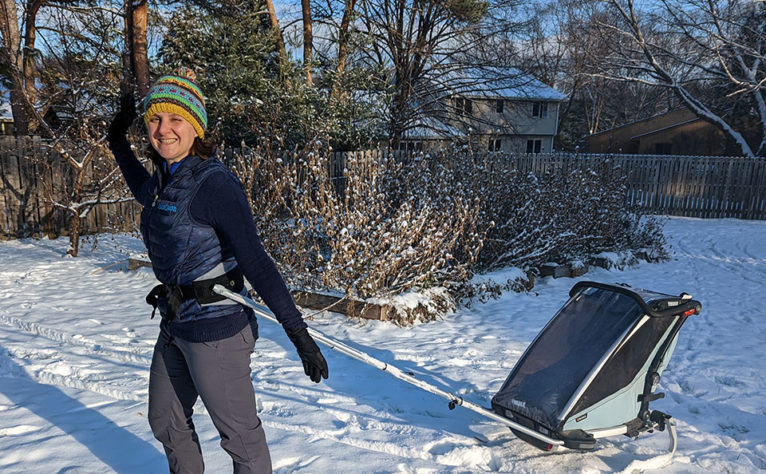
(225,208)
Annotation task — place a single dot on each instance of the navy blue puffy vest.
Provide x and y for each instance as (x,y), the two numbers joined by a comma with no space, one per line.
(181,249)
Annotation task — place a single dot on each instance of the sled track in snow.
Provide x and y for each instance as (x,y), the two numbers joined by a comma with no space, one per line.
(131,355)
(376,446)
(76,380)
(74,376)
(353,426)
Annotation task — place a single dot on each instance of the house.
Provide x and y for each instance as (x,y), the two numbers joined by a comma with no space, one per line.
(490,109)
(676,132)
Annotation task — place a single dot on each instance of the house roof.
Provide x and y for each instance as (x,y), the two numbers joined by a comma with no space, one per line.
(652,132)
(5,112)
(496,82)
(679,110)
(431,128)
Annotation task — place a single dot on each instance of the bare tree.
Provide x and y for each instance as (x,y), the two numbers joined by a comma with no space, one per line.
(75,89)
(692,48)
(18,60)
(563,44)
(412,39)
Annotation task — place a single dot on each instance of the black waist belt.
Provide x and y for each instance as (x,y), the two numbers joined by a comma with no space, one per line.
(201,290)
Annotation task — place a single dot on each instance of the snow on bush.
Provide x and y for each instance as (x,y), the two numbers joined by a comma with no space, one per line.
(386,224)
(379,231)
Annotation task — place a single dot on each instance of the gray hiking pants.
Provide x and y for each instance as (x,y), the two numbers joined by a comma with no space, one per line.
(219,372)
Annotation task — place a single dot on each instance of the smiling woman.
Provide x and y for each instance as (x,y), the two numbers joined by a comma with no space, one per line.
(199,231)
(175,118)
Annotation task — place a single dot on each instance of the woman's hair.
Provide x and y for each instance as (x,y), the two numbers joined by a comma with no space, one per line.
(202,147)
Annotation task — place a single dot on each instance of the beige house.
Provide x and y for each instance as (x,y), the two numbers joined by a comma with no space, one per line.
(497,111)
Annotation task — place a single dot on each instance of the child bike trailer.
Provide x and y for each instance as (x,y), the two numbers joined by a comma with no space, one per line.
(592,371)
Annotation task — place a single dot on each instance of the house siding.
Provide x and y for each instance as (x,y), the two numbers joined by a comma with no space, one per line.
(678,132)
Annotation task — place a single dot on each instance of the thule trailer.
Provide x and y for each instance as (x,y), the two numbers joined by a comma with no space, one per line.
(592,371)
(596,362)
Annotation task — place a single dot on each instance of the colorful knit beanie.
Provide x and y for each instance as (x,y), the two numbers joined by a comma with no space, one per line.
(178,95)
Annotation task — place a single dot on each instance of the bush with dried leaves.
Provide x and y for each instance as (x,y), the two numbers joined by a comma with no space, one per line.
(377,224)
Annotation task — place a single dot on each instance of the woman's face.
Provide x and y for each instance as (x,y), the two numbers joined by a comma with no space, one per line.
(171,135)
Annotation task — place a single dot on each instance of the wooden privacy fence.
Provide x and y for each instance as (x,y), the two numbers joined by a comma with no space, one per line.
(32,178)
(692,186)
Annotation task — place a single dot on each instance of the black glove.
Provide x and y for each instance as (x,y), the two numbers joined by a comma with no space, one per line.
(123,119)
(314,364)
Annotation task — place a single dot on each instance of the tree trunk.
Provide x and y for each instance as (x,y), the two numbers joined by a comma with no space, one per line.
(277,31)
(343,40)
(128,79)
(74,234)
(139,56)
(12,57)
(29,71)
(308,41)
(75,198)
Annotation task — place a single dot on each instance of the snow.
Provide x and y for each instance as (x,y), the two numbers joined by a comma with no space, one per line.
(5,111)
(509,83)
(76,341)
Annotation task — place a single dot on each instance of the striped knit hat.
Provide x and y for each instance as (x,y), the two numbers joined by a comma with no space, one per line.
(179,95)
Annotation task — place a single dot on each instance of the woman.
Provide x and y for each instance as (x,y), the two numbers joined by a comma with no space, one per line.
(199,231)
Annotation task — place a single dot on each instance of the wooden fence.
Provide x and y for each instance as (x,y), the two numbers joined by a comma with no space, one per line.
(692,186)
(32,177)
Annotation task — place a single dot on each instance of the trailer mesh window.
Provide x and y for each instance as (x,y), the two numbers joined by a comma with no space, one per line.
(566,352)
(625,364)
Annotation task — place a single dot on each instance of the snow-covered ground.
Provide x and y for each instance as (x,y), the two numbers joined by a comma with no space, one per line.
(76,341)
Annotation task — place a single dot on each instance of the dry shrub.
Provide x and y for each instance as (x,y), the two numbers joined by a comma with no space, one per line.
(391,224)
(561,216)
(382,229)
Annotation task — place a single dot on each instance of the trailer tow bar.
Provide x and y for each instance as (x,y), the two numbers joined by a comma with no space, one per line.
(388,368)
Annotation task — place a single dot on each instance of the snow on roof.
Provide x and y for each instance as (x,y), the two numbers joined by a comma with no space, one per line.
(431,128)
(5,111)
(508,83)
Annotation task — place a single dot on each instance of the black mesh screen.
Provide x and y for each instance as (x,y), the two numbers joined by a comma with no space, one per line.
(547,376)
(624,365)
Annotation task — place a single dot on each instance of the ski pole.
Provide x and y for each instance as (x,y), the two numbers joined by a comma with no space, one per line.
(391,369)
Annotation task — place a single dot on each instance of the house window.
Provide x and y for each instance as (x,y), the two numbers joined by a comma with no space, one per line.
(495,144)
(540,109)
(534,146)
(463,106)
(663,148)
(499,106)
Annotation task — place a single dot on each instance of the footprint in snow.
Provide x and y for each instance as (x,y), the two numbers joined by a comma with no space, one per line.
(729,381)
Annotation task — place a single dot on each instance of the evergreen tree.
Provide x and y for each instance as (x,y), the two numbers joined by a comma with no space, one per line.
(250,92)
